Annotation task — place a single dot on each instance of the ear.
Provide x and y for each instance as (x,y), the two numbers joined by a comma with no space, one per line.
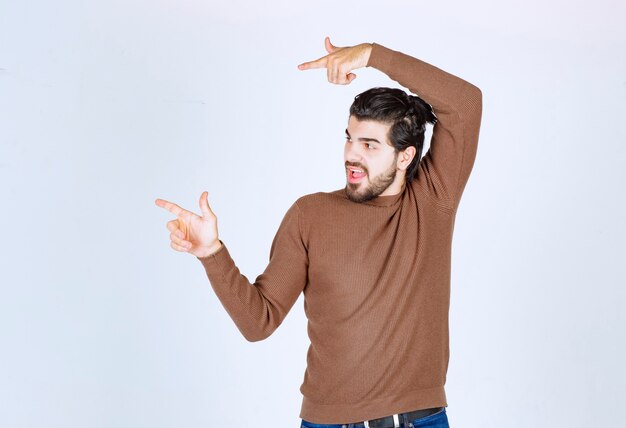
(406,157)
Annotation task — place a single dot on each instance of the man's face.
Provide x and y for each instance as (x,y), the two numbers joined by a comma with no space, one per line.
(368,150)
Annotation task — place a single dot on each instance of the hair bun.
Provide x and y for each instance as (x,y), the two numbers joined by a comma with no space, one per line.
(421,107)
(411,111)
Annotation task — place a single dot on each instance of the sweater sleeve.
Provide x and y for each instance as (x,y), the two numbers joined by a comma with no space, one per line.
(445,168)
(259,308)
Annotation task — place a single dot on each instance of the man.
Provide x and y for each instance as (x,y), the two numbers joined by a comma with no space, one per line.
(372,258)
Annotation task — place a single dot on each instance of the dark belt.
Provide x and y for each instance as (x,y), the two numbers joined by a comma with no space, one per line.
(387,421)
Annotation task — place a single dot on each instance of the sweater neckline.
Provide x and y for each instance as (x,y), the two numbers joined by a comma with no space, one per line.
(385,201)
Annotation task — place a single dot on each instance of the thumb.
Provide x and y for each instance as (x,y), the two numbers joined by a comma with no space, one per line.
(329,46)
(351,77)
(204,205)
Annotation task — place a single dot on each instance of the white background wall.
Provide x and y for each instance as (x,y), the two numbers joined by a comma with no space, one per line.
(106,106)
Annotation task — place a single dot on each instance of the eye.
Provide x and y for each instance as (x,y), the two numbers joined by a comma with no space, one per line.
(368,145)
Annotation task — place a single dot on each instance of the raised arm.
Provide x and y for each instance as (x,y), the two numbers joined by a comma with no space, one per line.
(446,166)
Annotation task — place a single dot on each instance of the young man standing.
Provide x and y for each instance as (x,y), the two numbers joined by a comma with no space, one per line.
(372,258)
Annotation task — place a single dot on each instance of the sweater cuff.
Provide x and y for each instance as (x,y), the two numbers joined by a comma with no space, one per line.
(217,257)
(380,56)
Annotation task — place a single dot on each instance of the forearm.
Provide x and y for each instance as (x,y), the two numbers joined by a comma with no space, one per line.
(445,92)
(259,308)
(243,302)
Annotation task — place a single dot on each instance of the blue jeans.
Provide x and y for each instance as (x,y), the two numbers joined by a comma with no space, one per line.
(436,420)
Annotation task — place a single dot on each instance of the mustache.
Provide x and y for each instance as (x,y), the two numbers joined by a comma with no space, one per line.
(356,166)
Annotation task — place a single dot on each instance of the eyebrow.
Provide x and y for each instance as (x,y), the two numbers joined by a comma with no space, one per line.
(374,140)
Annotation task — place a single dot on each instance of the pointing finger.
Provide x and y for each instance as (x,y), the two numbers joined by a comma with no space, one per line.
(173,208)
(318,63)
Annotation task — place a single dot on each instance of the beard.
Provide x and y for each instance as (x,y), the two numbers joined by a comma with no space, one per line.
(376,186)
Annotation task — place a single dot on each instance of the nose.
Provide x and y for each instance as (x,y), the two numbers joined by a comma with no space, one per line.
(353,154)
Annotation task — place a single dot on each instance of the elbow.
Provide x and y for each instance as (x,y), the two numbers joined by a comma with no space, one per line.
(255,337)
(473,103)
(476,95)
(257,329)
(257,334)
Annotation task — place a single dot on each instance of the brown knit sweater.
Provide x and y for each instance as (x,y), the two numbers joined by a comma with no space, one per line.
(375,275)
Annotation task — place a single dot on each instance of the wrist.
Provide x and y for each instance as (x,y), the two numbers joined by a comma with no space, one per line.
(210,250)
(368,52)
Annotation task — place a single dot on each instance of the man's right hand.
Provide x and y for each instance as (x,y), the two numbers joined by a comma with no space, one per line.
(190,232)
(341,61)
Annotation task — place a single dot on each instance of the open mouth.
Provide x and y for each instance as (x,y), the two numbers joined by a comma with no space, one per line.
(355,175)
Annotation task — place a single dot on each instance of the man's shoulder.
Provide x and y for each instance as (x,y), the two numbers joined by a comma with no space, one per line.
(331,196)
(321,200)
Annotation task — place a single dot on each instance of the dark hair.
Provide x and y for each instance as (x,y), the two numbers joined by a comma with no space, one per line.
(407,114)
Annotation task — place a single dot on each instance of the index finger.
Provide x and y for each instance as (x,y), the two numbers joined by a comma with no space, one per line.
(171,207)
(318,63)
